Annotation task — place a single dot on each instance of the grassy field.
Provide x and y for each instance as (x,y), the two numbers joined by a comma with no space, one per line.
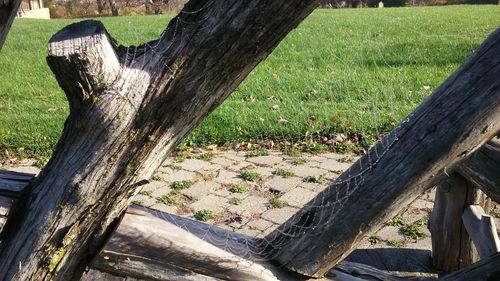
(357,70)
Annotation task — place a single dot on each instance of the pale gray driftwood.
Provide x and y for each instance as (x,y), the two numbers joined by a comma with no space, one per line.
(481,228)
(457,119)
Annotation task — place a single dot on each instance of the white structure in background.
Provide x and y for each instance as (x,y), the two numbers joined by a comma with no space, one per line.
(33,9)
(380,4)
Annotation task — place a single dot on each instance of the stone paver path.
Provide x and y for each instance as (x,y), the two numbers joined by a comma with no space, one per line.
(253,195)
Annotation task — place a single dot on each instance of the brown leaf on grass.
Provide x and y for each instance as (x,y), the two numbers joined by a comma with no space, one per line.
(282,120)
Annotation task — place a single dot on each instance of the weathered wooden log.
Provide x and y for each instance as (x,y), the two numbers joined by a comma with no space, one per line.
(128,110)
(365,272)
(483,169)
(8,11)
(457,119)
(160,246)
(485,270)
(452,248)
(13,183)
(482,230)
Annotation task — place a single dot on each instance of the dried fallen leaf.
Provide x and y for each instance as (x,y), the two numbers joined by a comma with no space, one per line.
(275,107)
(282,120)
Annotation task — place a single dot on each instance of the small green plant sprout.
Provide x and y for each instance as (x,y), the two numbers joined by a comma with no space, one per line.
(276,203)
(174,167)
(167,199)
(374,239)
(315,179)
(250,175)
(41,162)
(413,230)
(347,159)
(315,148)
(396,243)
(238,188)
(157,178)
(235,201)
(396,221)
(256,153)
(299,161)
(207,156)
(282,172)
(178,185)
(138,202)
(495,213)
(292,151)
(204,215)
(148,193)
(344,146)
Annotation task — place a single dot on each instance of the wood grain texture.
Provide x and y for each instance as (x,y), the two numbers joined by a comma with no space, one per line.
(8,11)
(159,246)
(481,228)
(365,272)
(124,121)
(485,270)
(452,247)
(13,183)
(483,169)
(457,119)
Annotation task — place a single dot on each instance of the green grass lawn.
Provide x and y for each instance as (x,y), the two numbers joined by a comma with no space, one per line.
(347,70)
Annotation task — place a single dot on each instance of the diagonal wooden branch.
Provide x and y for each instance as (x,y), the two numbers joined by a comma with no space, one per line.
(128,109)
(458,118)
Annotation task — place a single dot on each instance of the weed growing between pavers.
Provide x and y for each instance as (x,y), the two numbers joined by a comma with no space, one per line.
(235,201)
(256,153)
(282,172)
(167,199)
(178,185)
(207,156)
(204,215)
(250,176)
(157,178)
(276,203)
(148,193)
(238,188)
(299,161)
(315,179)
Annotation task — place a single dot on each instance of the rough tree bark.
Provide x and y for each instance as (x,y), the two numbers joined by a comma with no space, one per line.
(127,112)
(8,11)
(457,119)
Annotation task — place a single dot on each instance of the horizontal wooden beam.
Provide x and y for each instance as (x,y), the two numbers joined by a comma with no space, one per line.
(161,246)
(485,270)
(483,169)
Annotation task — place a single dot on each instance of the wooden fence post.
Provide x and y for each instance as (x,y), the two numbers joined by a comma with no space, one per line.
(452,248)
(8,11)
